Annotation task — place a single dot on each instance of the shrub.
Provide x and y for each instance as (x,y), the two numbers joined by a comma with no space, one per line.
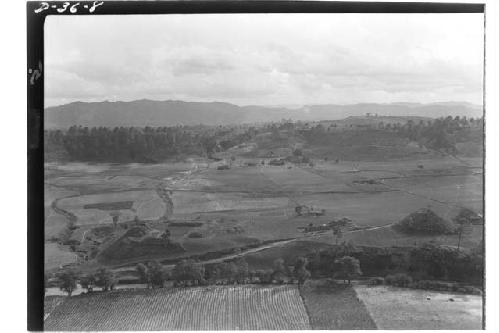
(376,281)
(425,221)
(398,280)
(446,286)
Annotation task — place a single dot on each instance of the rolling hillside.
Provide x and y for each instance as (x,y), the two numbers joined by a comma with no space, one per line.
(171,113)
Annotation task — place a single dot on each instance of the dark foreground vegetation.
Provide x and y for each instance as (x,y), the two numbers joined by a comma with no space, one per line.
(156,144)
(426,267)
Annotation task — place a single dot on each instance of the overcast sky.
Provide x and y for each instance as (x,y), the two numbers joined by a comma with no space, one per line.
(265,59)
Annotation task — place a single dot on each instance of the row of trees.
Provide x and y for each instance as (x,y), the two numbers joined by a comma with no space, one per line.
(102,278)
(426,262)
(189,272)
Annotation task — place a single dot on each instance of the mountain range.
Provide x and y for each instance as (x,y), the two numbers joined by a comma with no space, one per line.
(170,113)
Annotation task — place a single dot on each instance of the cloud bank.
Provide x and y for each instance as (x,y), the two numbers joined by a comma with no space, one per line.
(266,59)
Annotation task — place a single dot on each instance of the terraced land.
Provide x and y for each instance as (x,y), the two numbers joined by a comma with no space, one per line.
(205,308)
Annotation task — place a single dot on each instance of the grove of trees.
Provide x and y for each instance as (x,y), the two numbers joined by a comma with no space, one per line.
(135,144)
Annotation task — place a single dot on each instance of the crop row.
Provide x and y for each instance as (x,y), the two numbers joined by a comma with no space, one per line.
(207,308)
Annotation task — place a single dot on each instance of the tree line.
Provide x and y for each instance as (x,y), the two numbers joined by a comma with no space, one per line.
(136,144)
(418,267)
(154,144)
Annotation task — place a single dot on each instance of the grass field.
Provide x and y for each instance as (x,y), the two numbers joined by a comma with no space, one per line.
(207,308)
(402,309)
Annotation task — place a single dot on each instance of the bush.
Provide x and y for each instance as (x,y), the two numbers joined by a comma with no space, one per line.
(195,234)
(446,286)
(398,280)
(426,222)
(375,281)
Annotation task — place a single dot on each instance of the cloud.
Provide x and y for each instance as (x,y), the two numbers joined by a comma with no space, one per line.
(265,58)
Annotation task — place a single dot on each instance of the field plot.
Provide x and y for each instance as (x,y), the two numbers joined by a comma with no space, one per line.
(246,179)
(54,222)
(146,205)
(405,309)
(373,209)
(56,256)
(207,308)
(335,307)
(196,202)
(464,190)
(387,236)
(98,183)
(302,180)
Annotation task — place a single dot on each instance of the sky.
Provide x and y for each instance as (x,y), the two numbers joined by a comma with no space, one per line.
(265,59)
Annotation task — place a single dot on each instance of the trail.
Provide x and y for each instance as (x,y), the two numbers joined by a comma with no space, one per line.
(278,244)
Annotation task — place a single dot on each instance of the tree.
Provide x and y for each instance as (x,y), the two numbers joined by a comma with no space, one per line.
(67,281)
(229,271)
(105,279)
(279,270)
(300,271)
(337,232)
(349,268)
(157,274)
(265,276)
(144,275)
(464,221)
(88,282)
(240,270)
(188,270)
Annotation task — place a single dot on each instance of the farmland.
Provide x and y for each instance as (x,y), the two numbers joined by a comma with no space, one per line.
(207,308)
(335,307)
(390,306)
(261,200)
(246,205)
(319,304)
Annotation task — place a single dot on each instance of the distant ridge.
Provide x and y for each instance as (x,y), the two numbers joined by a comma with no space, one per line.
(146,112)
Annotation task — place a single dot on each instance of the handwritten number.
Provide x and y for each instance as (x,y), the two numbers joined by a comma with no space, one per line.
(95,5)
(43,6)
(73,8)
(64,7)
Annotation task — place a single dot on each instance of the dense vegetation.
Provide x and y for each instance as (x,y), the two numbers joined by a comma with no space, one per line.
(133,144)
(153,144)
(427,267)
(425,222)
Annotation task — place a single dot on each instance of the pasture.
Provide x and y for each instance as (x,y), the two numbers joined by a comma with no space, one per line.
(401,309)
(95,208)
(205,308)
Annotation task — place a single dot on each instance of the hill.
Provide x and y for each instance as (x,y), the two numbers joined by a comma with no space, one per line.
(170,113)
